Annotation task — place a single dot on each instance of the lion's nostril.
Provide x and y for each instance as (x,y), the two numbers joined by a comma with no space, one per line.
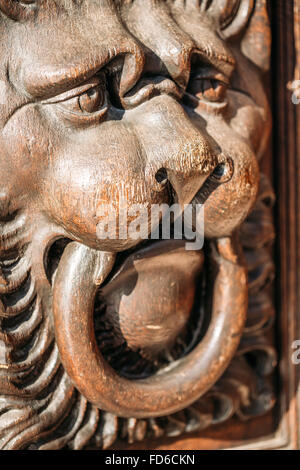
(161,176)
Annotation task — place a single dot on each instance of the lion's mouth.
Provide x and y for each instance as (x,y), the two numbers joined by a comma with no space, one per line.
(149,312)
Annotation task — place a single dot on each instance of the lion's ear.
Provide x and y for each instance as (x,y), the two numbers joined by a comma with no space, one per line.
(256,42)
(233,16)
(18,10)
(246,21)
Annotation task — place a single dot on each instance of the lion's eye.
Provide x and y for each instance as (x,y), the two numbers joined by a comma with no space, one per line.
(92,100)
(208,89)
(207,86)
(85,105)
(88,102)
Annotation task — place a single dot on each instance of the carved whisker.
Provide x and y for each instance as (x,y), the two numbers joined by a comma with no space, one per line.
(46,420)
(18,301)
(15,276)
(13,229)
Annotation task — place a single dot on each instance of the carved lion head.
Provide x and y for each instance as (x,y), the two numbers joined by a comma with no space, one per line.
(149,102)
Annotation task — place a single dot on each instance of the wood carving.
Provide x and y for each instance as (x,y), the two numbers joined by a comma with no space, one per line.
(151,102)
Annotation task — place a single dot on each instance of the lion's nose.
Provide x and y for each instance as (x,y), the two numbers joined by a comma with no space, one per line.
(184,172)
(172,150)
(189,163)
(186,186)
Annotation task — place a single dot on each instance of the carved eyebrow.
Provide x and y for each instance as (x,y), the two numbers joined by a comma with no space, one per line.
(48,81)
(55,73)
(75,91)
(225,63)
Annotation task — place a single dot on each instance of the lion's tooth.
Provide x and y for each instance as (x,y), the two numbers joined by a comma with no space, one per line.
(105,262)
